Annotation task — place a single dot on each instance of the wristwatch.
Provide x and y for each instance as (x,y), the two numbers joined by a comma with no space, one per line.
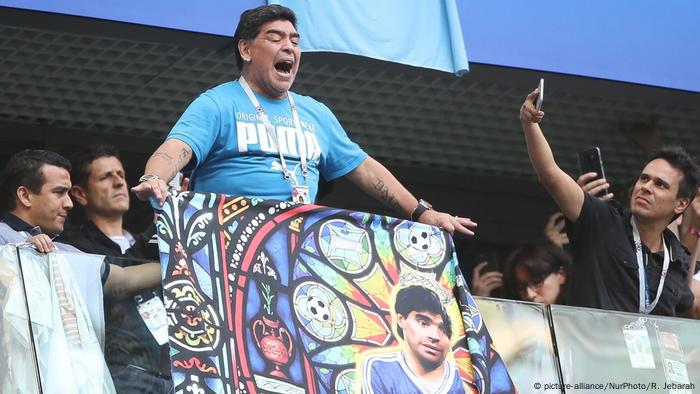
(148,177)
(419,209)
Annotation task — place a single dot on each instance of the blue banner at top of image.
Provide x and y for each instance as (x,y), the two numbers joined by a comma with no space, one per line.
(415,32)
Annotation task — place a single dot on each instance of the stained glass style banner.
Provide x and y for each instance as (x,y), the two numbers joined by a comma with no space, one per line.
(267,296)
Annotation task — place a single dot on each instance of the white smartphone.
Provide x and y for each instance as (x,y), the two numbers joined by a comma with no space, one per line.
(540,96)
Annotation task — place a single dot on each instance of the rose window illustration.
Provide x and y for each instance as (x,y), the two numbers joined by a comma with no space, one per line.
(268,296)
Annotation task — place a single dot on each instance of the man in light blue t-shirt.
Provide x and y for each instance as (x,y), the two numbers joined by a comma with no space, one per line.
(255,138)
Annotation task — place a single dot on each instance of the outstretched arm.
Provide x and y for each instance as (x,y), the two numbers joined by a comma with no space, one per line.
(372,177)
(125,281)
(565,191)
(164,163)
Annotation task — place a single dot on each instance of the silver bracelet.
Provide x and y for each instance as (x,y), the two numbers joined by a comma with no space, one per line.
(148,177)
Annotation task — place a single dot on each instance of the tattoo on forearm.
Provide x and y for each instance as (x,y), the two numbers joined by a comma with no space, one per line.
(386,196)
(163,156)
(183,157)
(176,164)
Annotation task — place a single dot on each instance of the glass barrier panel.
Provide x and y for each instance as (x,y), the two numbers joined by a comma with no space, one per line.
(89,337)
(65,301)
(136,345)
(18,363)
(603,350)
(521,334)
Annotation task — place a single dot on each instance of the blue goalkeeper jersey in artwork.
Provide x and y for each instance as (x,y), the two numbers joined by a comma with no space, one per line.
(389,373)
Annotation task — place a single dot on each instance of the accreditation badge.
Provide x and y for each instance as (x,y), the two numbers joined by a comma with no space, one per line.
(639,346)
(300,194)
(673,359)
(152,312)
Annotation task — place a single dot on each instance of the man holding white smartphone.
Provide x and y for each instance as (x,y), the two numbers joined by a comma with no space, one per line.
(624,259)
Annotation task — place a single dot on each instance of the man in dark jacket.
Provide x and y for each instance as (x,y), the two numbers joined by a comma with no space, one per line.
(135,347)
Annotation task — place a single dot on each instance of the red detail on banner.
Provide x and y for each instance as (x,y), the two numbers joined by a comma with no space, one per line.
(196,363)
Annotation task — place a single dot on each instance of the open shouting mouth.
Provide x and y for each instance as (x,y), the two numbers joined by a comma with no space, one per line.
(284,66)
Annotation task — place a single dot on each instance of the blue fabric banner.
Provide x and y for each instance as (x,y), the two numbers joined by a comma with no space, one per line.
(421,33)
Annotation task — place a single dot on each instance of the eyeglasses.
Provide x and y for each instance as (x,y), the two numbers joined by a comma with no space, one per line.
(535,284)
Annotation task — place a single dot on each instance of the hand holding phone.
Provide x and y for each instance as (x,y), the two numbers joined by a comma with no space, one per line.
(540,96)
(530,111)
(590,160)
(555,230)
(492,259)
(486,276)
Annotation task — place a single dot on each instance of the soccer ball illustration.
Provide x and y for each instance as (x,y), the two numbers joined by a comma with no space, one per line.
(319,309)
(419,239)
(420,244)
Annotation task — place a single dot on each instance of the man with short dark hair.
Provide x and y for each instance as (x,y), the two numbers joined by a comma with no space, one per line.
(424,326)
(34,198)
(137,362)
(253,137)
(624,260)
(100,188)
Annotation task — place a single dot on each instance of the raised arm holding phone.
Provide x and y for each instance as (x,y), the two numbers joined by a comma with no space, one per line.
(566,192)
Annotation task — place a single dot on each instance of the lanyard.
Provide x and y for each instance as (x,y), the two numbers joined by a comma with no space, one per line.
(644,306)
(273,136)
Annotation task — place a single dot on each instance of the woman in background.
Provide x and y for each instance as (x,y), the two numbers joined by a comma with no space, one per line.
(538,272)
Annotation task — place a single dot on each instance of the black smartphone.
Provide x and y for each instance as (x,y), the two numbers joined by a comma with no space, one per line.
(590,160)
